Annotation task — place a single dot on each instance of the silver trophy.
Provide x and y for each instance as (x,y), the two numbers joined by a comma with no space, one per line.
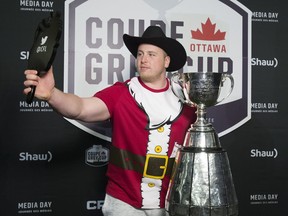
(202,183)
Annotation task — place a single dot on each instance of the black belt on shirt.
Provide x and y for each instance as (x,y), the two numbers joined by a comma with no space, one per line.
(151,166)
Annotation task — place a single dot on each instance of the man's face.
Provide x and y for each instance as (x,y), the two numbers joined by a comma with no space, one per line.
(151,62)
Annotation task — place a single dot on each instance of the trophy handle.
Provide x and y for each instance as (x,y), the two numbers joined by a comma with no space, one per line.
(178,87)
(223,79)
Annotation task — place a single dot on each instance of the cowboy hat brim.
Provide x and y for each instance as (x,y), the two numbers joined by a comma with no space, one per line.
(172,47)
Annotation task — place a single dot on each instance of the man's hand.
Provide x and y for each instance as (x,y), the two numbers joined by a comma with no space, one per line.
(44,48)
(45,84)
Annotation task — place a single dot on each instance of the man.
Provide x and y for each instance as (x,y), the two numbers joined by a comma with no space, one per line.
(149,123)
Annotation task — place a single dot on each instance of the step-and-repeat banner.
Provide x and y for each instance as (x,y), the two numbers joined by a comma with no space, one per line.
(50,165)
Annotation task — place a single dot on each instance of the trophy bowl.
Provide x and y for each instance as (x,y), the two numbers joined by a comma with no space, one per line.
(201,89)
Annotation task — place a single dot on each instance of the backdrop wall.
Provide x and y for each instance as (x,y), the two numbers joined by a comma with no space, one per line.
(52,166)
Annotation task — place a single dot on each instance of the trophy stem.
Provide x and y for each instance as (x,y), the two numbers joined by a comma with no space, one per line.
(201,116)
(201,134)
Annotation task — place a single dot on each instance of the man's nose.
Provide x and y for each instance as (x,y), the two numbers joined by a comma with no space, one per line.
(144,58)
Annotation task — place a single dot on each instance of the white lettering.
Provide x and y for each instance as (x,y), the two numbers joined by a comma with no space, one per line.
(263,62)
(259,105)
(34,205)
(25,104)
(29,3)
(27,205)
(45,204)
(272,15)
(41,49)
(47,4)
(258,197)
(258,153)
(93,204)
(25,156)
(272,105)
(259,14)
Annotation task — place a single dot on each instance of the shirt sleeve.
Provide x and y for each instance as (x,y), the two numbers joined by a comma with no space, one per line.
(111,95)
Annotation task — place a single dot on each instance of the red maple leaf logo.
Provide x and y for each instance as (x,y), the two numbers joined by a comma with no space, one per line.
(208,32)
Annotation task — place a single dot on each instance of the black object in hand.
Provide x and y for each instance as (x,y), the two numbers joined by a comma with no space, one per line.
(44,48)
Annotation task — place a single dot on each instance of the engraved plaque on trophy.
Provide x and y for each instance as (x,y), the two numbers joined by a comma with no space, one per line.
(202,183)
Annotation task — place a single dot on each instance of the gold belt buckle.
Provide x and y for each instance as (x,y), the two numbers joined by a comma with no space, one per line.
(155,166)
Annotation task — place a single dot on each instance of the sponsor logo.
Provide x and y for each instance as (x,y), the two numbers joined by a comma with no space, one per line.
(264,62)
(94,204)
(35,207)
(257,153)
(42,48)
(97,156)
(24,55)
(26,156)
(43,40)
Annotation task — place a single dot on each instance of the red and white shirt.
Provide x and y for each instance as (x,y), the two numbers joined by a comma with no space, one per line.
(145,122)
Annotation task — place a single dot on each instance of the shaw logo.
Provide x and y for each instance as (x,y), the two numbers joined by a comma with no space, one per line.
(26,156)
(97,156)
(256,153)
(264,62)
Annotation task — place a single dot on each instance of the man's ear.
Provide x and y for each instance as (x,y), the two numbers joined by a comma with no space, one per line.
(167,61)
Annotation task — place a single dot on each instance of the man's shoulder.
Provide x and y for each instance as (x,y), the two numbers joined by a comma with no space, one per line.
(121,84)
(116,89)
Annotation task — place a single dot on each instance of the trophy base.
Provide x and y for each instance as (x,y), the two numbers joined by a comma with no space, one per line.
(202,183)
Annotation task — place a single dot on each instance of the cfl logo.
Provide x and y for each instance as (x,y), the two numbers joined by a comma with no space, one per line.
(94,205)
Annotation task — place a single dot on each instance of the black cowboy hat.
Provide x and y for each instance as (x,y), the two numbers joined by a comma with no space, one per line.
(155,36)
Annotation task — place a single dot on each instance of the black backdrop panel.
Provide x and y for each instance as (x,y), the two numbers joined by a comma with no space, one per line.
(47,165)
